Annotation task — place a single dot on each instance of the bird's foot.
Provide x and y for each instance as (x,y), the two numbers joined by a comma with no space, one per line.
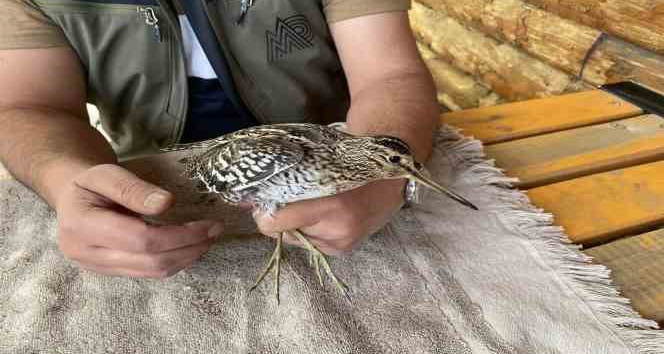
(318,259)
(274,262)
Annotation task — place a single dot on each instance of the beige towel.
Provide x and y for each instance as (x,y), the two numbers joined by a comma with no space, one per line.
(439,279)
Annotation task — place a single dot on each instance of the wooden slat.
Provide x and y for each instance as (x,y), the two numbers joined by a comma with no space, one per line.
(601,207)
(534,117)
(573,153)
(4,174)
(637,268)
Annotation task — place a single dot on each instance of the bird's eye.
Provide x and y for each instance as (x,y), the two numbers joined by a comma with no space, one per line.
(395,159)
(418,165)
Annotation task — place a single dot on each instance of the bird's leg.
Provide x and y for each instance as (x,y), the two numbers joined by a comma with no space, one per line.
(316,266)
(274,262)
(318,260)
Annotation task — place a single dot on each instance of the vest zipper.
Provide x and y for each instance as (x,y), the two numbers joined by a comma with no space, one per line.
(244,8)
(220,33)
(151,20)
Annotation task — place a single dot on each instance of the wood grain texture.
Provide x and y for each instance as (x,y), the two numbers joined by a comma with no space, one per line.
(512,74)
(456,89)
(559,42)
(573,153)
(637,268)
(534,117)
(616,60)
(601,207)
(638,21)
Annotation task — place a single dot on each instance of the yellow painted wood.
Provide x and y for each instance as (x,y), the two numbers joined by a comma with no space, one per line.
(539,116)
(597,208)
(573,153)
(637,268)
(4,174)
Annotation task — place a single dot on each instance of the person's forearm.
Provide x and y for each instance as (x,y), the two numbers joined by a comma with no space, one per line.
(402,105)
(45,148)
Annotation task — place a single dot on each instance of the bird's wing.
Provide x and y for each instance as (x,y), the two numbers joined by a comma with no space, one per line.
(244,162)
(197,145)
(314,133)
(256,131)
(317,134)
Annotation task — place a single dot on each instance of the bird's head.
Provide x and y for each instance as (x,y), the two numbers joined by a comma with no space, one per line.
(396,160)
(393,159)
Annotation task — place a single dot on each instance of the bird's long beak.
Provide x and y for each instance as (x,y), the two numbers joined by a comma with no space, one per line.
(420,177)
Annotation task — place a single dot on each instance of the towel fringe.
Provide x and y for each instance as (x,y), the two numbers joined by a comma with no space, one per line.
(591,282)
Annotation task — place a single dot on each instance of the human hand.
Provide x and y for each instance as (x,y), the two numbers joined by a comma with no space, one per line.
(100,226)
(338,223)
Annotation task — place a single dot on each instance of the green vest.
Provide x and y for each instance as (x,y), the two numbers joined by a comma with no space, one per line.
(281,56)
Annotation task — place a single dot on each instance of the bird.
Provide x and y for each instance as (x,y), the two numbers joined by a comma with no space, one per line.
(269,166)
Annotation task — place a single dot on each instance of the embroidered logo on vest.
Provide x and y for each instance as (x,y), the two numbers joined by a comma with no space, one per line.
(290,34)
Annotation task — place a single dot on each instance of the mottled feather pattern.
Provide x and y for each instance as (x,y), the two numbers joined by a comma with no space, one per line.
(272,165)
(260,163)
(269,166)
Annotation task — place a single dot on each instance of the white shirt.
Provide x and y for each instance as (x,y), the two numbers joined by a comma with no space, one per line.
(198,64)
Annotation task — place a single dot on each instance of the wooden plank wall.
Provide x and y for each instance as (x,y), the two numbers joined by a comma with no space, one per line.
(485,52)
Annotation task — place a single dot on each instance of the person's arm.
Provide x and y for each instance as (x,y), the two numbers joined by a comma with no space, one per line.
(47,143)
(392,93)
(45,131)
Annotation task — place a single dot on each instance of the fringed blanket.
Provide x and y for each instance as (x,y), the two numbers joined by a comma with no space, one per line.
(438,279)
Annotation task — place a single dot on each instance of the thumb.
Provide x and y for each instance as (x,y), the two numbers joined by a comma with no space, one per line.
(125,188)
(292,216)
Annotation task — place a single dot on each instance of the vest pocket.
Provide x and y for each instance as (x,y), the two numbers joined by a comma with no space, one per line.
(127,49)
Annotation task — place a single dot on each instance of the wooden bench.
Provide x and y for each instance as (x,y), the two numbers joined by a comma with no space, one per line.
(596,162)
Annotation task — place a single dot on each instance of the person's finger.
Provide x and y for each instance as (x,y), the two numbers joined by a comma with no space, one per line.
(325,246)
(125,188)
(294,215)
(331,240)
(155,265)
(287,238)
(124,272)
(109,229)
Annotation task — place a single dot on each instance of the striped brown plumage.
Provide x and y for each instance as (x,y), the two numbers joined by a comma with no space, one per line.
(272,165)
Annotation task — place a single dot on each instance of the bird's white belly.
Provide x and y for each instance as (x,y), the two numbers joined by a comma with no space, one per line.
(288,188)
(287,193)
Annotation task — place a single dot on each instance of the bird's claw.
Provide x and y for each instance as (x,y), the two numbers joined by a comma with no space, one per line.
(319,260)
(316,260)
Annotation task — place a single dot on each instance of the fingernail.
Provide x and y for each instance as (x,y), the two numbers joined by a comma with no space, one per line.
(215,230)
(156,200)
